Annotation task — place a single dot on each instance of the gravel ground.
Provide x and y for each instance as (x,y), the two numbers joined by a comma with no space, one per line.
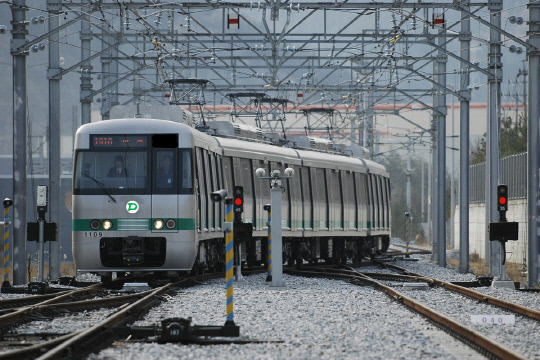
(313,318)
(321,319)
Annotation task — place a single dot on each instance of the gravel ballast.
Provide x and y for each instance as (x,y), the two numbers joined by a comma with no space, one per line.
(314,318)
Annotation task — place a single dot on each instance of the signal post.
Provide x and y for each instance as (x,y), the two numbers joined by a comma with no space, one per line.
(275,223)
(502,231)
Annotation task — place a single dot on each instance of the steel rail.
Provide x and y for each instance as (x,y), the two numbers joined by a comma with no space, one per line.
(19,314)
(103,332)
(515,308)
(76,343)
(475,338)
(83,305)
(28,300)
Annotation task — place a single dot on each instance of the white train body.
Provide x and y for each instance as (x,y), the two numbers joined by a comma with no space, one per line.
(334,207)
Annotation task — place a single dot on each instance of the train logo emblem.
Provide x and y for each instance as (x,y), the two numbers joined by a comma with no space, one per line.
(132,207)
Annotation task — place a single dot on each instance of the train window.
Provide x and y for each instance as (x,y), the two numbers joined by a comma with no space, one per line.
(228,173)
(165,169)
(111,172)
(185,170)
(165,141)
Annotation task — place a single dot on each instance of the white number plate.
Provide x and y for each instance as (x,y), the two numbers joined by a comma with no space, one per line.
(93,234)
(493,319)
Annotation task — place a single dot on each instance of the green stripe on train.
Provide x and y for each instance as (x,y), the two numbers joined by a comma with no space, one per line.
(131,224)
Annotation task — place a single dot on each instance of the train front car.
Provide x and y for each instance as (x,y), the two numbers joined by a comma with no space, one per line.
(133,202)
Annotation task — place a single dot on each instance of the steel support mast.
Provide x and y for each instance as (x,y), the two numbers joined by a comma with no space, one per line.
(54,133)
(441,147)
(464,127)
(493,151)
(86,67)
(20,104)
(533,136)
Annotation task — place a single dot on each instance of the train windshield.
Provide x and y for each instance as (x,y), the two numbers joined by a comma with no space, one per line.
(111,172)
(133,171)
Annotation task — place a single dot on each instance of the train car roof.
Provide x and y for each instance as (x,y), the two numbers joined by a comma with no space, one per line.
(134,125)
(257,150)
(262,151)
(146,126)
(228,146)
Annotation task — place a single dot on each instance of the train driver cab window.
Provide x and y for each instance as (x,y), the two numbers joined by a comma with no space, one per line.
(114,172)
(165,178)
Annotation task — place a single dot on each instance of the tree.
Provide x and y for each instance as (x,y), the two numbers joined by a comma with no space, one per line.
(513,140)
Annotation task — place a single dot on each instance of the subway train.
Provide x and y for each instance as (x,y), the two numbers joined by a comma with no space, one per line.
(141,197)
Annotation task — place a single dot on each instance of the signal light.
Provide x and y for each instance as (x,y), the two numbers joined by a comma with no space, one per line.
(502,198)
(238,201)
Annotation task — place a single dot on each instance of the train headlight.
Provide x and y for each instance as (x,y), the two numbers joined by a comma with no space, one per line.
(107,224)
(171,224)
(158,224)
(95,224)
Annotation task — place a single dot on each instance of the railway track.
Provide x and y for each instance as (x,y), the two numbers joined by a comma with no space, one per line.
(82,342)
(515,308)
(479,342)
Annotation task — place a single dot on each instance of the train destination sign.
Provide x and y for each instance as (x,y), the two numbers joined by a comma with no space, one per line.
(118,141)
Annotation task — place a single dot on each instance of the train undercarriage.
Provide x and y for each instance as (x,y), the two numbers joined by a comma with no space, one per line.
(253,253)
(296,251)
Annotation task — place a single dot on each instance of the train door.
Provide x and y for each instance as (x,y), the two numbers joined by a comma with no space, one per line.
(334,199)
(209,166)
(307,198)
(348,196)
(218,183)
(319,198)
(362,198)
(376,201)
(371,204)
(165,189)
(384,203)
(262,196)
(200,188)
(386,183)
(295,192)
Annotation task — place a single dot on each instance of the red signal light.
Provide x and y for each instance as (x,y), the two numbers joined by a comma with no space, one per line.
(502,200)
(238,201)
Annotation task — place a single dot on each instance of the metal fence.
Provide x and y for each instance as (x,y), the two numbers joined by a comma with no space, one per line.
(513,170)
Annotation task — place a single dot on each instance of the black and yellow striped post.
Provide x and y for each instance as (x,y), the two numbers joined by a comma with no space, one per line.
(229,259)
(7,204)
(268,208)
